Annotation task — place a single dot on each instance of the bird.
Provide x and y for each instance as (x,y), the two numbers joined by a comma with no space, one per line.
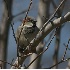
(26,32)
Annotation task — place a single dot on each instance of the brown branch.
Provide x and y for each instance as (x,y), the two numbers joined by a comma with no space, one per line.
(19,13)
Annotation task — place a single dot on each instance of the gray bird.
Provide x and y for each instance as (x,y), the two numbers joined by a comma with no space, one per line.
(29,31)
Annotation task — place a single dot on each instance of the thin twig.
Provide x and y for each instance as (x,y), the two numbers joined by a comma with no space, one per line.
(66,49)
(13,32)
(53,15)
(14,37)
(25,17)
(12,61)
(8,63)
(24,11)
(57,63)
(28,9)
(21,30)
(65,46)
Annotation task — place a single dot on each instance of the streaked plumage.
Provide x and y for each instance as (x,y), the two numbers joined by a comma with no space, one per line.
(28,33)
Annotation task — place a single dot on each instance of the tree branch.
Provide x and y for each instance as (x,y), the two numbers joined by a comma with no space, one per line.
(42,34)
(56,23)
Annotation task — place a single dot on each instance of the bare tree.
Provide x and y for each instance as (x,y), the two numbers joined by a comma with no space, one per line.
(45,24)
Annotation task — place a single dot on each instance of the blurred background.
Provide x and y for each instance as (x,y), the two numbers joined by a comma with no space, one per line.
(17,11)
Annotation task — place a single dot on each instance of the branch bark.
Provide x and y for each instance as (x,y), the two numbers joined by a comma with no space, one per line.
(40,36)
(43,13)
(56,23)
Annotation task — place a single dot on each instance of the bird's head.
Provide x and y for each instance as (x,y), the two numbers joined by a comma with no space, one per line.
(30,21)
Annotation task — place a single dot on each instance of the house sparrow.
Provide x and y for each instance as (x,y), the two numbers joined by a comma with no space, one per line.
(28,32)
